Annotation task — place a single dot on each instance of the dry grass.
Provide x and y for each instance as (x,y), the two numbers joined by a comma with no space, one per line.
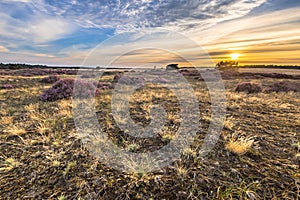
(6,120)
(16,130)
(39,148)
(239,144)
(9,164)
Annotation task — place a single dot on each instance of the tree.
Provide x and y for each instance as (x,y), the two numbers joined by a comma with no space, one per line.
(172,67)
(227,64)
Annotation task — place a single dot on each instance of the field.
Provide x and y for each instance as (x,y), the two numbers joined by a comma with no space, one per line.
(257,155)
(266,70)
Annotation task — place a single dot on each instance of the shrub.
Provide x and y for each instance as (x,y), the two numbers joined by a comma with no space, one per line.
(85,89)
(283,87)
(38,72)
(132,80)
(103,85)
(7,87)
(159,80)
(88,75)
(248,87)
(60,90)
(128,80)
(117,77)
(172,67)
(50,79)
(190,73)
(63,89)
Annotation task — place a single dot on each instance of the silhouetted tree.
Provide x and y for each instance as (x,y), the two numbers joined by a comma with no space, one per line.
(172,67)
(227,64)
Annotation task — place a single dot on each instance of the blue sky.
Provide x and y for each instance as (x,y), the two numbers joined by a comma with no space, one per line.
(65,32)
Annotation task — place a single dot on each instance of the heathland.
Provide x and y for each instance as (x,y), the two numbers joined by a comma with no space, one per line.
(256,157)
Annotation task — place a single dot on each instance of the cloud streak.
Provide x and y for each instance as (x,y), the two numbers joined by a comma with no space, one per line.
(64,30)
(266,37)
(128,14)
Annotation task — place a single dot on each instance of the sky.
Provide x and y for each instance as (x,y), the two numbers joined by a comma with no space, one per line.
(149,32)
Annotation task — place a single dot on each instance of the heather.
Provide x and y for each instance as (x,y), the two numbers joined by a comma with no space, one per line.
(50,79)
(248,87)
(283,87)
(6,86)
(37,72)
(64,89)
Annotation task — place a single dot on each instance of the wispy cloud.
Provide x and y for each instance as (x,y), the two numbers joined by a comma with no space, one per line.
(275,34)
(3,49)
(49,29)
(57,31)
(127,14)
(21,1)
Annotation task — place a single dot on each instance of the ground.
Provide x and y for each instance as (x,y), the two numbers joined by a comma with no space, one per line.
(256,157)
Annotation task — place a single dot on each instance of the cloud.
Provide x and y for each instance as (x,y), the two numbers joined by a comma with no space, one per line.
(20,24)
(43,21)
(3,49)
(270,27)
(272,38)
(49,29)
(147,48)
(21,1)
(128,14)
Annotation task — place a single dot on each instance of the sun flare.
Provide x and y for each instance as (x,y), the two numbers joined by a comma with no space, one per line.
(235,56)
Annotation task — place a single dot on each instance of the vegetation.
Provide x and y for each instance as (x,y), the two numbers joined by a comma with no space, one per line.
(42,157)
(227,64)
(248,87)
(6,86)
(172,67)
(283,87)
(63,89)
(50,79)
(239,145)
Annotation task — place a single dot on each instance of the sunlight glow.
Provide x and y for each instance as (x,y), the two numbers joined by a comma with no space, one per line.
(235,56)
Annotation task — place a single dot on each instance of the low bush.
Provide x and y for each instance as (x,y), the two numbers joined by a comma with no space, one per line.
(248,87)
(159,80)
(50,79)
(38,72)
(117,77)
(63,89)
(103,85)
(7,87)
(128,80)
(283,87)
(88,75)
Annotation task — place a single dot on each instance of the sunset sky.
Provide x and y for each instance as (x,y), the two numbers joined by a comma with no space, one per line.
(86,32)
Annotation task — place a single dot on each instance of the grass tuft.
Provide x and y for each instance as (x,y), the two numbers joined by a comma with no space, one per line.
(239,145)
(9,164)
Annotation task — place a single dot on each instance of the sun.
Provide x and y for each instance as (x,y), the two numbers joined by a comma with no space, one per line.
(235,56)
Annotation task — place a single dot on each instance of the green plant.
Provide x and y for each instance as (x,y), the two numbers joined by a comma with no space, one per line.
(132,147)
(69,167)
(9,164)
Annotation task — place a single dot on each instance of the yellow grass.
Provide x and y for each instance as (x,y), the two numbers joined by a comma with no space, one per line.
(32,107)
(9,164)
(7,120)
(239,145)
(15,130)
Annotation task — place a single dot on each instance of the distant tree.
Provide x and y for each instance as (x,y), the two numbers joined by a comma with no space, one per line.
(172,67)
(227,64)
